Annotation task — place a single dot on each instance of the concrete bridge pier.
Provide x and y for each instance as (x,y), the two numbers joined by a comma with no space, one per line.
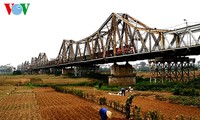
(43,71)
(121,75)
(34,71)
(39,71)
(64,71)
(51,70)
(67,70)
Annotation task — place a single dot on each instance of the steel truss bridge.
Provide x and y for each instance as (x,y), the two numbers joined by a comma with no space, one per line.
(122,38)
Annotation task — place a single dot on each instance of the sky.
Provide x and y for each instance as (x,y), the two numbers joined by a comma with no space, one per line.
(48,22)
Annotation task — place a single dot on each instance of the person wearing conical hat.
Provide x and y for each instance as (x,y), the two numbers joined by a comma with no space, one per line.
(104,113)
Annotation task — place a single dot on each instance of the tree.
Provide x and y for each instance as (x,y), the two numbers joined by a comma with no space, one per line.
(143,67)
(142,64)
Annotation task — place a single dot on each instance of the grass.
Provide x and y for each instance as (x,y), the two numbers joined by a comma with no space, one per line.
(190,88)
(185,100)
(40,79)
(187,93)
(109,88)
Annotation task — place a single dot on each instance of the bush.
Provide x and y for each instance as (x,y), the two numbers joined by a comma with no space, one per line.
(153,115)
(184,100)
(137,114)
(58,73)
(102,101)
(100,85)
(177,91)
(110,88)
(79,93)
(190,92)
(177,88)
(151,86)
(185,92)
(17,72)
(194,83)
(140,79)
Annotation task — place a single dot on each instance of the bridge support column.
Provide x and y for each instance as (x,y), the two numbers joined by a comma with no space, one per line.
(54,71)
(121,75)
(51,70)
(67,70)
(42,71)
(64,71)
(35,71)
(178,69)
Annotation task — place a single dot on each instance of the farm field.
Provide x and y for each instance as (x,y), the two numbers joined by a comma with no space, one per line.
(54,105)
(17,103)
(147,101)
(46,79)
(44,103)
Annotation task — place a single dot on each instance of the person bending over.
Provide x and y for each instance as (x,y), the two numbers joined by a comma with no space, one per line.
(104,113)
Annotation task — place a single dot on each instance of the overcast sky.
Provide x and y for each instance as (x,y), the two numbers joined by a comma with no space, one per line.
(48,22)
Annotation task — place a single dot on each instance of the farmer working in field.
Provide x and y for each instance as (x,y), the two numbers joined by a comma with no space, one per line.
(123,90)
(104,113)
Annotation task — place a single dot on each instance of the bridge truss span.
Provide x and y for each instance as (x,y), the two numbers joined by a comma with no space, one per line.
(41,60)
(122,34)
(124,38)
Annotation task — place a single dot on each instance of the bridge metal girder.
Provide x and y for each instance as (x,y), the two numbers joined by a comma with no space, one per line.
(172,69)
(24,66)
(39,61)
(122,34)
(119,34)
(183,37)
(42,59)
(66,53)
(34,61)
(78,55)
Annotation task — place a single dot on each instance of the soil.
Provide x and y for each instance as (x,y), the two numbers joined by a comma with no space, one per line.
(54,105)
(18,103)
(24,103)
(45,103)
(147,101)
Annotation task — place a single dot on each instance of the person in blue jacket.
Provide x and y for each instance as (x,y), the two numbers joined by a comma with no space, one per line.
(104,113)
(123,90)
